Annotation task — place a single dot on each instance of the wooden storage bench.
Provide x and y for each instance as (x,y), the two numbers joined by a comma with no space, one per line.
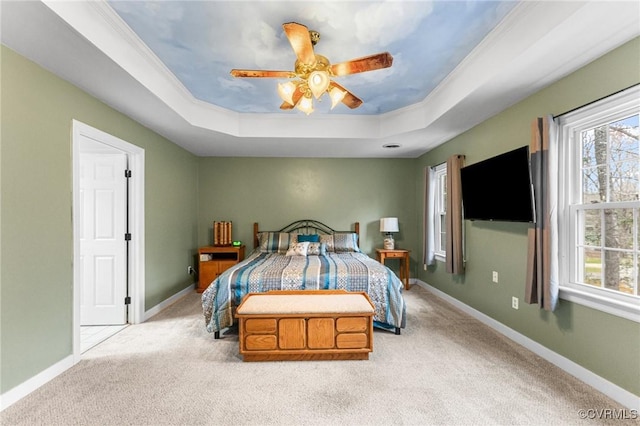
(305,325)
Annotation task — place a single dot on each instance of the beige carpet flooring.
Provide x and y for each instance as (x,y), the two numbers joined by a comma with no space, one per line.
(445,369)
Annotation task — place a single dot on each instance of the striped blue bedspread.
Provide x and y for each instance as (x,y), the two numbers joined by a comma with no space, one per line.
(261,272)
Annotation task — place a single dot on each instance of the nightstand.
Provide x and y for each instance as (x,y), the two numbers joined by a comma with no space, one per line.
(403,256)
(214,260)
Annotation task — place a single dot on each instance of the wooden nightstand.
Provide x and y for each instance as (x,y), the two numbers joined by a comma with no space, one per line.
(403,255)
(214,260)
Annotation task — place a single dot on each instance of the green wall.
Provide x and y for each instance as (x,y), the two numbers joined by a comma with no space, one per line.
(607,345)
(337,192)
(36,270)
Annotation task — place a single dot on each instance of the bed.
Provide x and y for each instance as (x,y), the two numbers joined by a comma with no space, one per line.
(305,255)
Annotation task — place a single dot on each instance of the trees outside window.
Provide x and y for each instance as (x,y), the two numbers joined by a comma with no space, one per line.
(610,168)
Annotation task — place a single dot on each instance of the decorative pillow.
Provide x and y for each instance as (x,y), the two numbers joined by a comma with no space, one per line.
(313,238)
(317,249)
(298,249)
(274,242)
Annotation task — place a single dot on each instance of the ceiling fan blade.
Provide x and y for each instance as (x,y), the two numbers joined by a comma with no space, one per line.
(300,40)
(366,63)
(350,100)
(262,74)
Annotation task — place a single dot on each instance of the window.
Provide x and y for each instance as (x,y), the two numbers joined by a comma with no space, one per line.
(599,215)
(440,210)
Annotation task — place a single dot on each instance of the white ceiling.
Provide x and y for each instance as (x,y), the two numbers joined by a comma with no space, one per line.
(449,81)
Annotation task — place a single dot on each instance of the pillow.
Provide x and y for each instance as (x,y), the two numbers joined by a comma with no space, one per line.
(327,240)
(341,242)
(313,238)
(274,242)
(317,249)
(298,249)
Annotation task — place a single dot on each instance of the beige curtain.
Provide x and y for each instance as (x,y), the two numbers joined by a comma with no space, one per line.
(454,248)
(542,264)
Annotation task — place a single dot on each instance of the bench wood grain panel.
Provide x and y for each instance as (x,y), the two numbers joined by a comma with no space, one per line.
(351,324)
(260,342)
(321,333)
(291,333)
(351,340)
(263,325)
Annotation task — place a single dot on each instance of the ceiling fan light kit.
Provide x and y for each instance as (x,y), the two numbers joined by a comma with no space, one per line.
(318,83)
(336,96)
(305,105)
(286,91)
(313,73)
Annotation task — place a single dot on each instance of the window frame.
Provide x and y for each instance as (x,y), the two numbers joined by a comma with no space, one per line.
(440,209)
(570,125)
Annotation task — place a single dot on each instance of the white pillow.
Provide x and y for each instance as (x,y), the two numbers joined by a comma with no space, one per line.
(298,249)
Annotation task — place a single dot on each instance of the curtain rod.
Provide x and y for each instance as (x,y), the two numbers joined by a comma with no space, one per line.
(445,162)
(594,101)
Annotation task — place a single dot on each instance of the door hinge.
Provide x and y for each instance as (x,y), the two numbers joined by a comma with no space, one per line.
(127,173)
(127,300)
(127,237)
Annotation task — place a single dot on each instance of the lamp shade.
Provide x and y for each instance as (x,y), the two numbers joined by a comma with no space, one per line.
(286,90)
(389,224)
(336,96)
(306,105)
(318,83)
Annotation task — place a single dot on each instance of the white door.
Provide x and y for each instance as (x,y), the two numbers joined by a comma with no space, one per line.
(103,251)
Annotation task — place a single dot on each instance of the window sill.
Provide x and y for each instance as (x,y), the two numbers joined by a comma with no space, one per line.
(630,311)
(440,257)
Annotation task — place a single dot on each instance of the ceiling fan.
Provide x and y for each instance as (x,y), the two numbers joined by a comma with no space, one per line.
(312,72)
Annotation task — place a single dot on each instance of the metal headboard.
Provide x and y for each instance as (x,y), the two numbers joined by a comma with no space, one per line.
(304,226)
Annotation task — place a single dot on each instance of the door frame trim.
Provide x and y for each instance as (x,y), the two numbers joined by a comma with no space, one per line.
(136,269)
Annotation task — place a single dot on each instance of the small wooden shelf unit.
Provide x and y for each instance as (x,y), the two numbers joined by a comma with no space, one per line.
(214,260)
(305,325)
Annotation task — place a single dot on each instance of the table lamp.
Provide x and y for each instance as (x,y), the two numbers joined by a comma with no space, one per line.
(388,225)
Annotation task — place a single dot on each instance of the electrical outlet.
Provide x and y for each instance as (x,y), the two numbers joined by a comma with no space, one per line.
(495,277)
(514,302)
(190,270)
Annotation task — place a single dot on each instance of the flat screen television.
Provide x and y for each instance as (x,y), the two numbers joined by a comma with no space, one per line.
(499,188)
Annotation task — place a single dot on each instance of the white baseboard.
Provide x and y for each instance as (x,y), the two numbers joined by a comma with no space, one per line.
(613,391)
(170,301)
(25,388)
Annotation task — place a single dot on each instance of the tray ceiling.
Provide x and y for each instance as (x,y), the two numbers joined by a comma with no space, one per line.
(166,64)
